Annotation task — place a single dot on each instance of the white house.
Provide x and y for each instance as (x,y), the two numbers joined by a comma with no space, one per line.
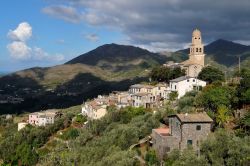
(185,84)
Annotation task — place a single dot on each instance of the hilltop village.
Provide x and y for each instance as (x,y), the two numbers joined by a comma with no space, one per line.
(148,124)
(150,96)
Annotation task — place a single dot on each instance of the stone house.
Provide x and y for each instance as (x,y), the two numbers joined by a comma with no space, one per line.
(185,84)
(184,130)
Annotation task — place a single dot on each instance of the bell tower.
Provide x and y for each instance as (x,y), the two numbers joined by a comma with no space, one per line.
(196,54)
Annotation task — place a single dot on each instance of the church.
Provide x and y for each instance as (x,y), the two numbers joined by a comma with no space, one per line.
(195,63)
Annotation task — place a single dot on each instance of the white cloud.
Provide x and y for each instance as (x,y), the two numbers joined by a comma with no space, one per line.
(92,37)
(147,21)
(66,13)
(41,55)
(22,33)
(19,50)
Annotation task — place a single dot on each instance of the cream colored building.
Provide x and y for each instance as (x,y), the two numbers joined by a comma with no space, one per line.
(195,63)
(21,125)
(94,110)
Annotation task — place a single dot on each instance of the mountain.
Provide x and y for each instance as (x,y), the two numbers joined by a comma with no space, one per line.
(223,52)
(118,57)
(100,71)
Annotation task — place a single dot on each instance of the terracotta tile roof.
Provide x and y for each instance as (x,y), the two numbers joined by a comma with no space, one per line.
(164,131)
(193,118)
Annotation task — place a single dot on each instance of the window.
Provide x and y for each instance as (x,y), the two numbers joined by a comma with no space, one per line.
(198,127)
(189,142)
(200,49)
(175,87)
(197,49)
(187,80)
(193,80)
(166,149)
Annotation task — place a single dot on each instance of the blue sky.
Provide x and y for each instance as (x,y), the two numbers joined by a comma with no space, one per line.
(49,32)
(54,36)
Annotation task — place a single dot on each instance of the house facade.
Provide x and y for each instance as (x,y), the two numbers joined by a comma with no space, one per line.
(94,110)
(185,84)
(143,99)
(42,118)
(184,130)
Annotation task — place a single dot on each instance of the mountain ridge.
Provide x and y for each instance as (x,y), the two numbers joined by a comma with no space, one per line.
(104,69)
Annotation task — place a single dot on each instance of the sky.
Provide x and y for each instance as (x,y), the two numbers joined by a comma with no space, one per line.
(51,32)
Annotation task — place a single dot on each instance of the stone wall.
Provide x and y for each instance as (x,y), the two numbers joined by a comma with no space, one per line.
(163,144)
(190,132)
(175,127)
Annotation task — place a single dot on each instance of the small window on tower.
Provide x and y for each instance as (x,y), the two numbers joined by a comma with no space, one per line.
(197,49)
(200,49)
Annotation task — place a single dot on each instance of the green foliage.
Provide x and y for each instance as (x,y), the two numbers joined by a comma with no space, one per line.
(161,73)
(244,87)
(224,148)
(244,125)
(187,158)
(71,133)
(173,95)
(25,154)
(221,148)
(213,96)
(110,145)
(187,102)
(211,74)
(151,158)
(27,140)
(222,115)
(80,119)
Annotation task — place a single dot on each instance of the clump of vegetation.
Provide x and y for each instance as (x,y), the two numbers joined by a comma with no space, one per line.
(211,74)
(221,148)
(71,133)
(20,147)
(164,74)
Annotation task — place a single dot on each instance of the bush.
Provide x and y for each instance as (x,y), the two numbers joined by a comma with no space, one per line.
(71,133)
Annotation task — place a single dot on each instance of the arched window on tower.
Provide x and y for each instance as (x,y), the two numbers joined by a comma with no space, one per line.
(197,49)
(200,49)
